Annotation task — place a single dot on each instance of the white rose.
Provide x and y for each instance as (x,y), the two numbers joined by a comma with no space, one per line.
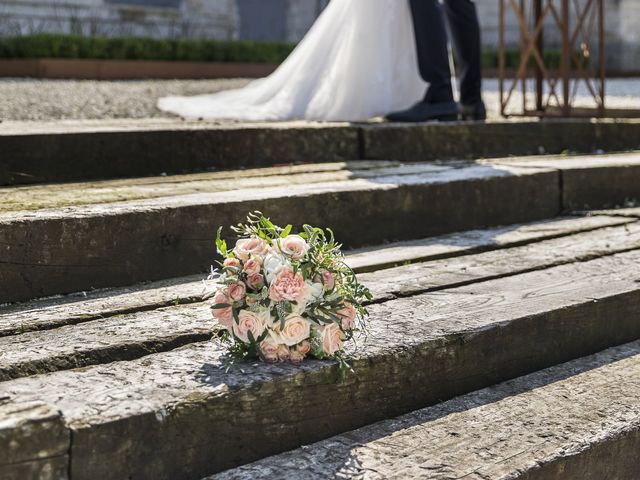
(314,292)
(272,264)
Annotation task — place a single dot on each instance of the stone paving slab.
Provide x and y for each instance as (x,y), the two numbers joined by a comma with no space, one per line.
(41,197)
(452,245)
(463,270)
(590,182)
(462,339)
(82,307)
(125,337)
(77,248)
(576,421)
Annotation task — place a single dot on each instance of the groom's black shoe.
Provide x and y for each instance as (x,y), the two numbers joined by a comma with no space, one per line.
(474,112)
(427,111)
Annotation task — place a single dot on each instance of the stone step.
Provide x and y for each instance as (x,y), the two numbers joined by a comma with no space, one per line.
(34,152)
(192,411)
(576,421)
(149,229)
(108,337)
(34,442)
(590,182)
(65,248)
(53,312)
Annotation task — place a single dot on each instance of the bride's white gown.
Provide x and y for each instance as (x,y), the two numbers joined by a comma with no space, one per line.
(358,61)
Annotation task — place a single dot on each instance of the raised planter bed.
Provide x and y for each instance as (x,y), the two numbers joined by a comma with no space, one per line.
(94,69)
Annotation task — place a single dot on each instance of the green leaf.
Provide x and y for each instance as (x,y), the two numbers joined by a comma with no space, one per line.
(221,245)
(219,306)
(286,231)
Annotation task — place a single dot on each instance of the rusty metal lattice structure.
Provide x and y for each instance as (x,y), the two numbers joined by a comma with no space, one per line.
(579,31)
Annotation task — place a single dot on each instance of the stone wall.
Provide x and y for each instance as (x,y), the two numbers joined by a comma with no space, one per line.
(149,18)
(223,19)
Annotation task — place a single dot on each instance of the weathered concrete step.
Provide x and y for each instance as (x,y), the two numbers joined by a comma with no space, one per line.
(632,211)
(474,241)
(193,411)
(54,312)
(576,421)
(126,337)
(91,246)
(34,442)
(34,198)
(82,150)
(590,182)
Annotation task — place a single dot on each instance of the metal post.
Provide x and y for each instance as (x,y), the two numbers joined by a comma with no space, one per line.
(565,65)
(501,58)
(603,55)
(537,6)
(523,82)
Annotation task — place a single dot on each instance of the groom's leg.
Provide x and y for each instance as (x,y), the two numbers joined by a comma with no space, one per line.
(431,42)
(465,29)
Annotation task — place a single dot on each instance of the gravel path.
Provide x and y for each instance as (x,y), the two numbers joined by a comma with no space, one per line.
(26,99)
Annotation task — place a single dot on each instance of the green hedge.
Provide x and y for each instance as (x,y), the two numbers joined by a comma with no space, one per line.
(70,46)
(491,59)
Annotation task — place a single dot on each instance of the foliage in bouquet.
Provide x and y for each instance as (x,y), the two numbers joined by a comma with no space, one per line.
(284,297)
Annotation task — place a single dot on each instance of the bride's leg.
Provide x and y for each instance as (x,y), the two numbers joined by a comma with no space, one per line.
(431,42)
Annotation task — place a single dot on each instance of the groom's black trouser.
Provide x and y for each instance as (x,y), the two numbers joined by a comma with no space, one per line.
(431,40)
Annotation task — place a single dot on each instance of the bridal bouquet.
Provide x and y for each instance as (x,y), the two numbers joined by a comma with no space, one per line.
(283,297)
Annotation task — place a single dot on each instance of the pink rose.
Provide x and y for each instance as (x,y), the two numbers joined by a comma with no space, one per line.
(328,279)
(347,316)
(287,286)
(245,247)
(253,265)
(237,291)
(255,281)
(269,350)
(249,322)
(332,338)
(284,353)
(296,356)
(223,315)
(304,348)
(295,330)
(231,262)
(293,246)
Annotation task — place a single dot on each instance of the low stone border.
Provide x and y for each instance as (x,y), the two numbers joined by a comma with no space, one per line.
(90,69)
